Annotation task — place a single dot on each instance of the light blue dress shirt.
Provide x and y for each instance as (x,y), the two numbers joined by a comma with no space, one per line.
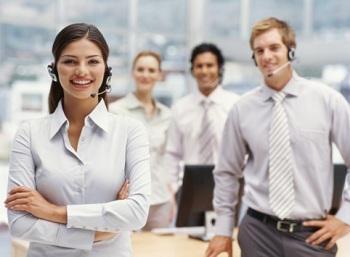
(111,148)
(317,116)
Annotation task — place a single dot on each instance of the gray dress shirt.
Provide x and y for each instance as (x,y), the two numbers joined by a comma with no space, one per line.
(157,128)
(317,116)
(111,148)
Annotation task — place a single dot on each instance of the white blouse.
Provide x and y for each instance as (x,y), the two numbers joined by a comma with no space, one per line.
(111,148)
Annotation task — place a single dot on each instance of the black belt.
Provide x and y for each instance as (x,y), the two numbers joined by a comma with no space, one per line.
(289,226)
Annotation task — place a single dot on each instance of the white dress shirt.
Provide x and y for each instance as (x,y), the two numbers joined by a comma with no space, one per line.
(186,125)
(317,116)
(111,148)
(157,127)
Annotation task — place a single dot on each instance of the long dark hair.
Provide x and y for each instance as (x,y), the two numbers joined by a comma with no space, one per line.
(66,36)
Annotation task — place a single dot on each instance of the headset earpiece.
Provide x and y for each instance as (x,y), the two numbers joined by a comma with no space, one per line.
(253,57)
(221,72)
(52,72)
(107,80)
(291,54)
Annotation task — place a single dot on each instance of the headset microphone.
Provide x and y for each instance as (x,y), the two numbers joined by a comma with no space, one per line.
(278,69)
(107,90)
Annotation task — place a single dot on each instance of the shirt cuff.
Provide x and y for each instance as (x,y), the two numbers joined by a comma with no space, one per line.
(343,212)
(81,239)
(87,216)
(224,226)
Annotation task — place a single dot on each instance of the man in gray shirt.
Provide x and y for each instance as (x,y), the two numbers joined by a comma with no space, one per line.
(279,138)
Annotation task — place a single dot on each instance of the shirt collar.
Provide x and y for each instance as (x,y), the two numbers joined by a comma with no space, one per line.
(58,118)
(99,116)
(134,103)
(293,87)
(215,96)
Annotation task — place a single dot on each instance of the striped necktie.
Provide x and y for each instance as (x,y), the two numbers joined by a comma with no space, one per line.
(206,138)
(281,188)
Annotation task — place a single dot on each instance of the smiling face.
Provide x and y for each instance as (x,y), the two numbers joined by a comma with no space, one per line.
(146,72)
(271,53)
(206,72)
(81,69)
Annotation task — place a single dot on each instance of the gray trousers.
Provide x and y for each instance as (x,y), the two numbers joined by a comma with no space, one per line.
(257,239)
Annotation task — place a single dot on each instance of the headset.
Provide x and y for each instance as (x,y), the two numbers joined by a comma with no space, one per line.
(290,55)
(106,78)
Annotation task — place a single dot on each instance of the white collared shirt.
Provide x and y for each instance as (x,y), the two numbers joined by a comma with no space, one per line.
(111,148)
(317,116)
(157,127)
(186,125)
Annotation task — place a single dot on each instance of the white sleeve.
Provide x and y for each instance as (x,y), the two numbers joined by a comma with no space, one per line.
(174,153)
(24,225)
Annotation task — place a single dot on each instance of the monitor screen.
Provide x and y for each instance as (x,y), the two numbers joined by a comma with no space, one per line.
(196,195)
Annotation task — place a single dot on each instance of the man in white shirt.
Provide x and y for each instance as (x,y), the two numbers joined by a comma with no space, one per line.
(198,118)
(283,133)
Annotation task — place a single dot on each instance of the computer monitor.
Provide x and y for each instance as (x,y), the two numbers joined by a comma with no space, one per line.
(196,195)
(340,171)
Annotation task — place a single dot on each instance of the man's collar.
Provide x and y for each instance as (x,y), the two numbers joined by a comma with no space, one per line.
(291,88)
(215,96)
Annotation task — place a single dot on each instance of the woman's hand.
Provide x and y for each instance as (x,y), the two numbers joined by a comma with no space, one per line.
(124,191)
(29,200)
(100,236)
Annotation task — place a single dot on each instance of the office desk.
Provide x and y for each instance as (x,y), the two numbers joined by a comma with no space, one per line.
(146,244)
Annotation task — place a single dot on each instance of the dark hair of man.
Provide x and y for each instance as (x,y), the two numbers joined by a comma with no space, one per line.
(211,48)
(67,35)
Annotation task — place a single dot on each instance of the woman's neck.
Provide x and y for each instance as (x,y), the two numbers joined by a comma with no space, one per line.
(76,110)
(147,101)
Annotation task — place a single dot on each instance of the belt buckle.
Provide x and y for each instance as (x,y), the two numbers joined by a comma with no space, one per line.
(286,226)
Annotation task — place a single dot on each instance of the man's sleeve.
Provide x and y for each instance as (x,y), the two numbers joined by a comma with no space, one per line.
(340,135)
(227,172)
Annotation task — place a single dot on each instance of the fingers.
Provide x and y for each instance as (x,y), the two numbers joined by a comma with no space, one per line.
(13,203)
(331,243)
(315,236)
(15,196)
(332,229)
(314,223)
(124,191)
(219,244)
(19,189)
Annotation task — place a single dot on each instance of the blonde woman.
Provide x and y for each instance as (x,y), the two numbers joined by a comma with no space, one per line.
(140,104)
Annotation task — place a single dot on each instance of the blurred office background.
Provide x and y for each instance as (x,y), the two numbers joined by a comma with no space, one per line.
(172,27)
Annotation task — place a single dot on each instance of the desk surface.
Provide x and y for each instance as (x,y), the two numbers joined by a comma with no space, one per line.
(146,244)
